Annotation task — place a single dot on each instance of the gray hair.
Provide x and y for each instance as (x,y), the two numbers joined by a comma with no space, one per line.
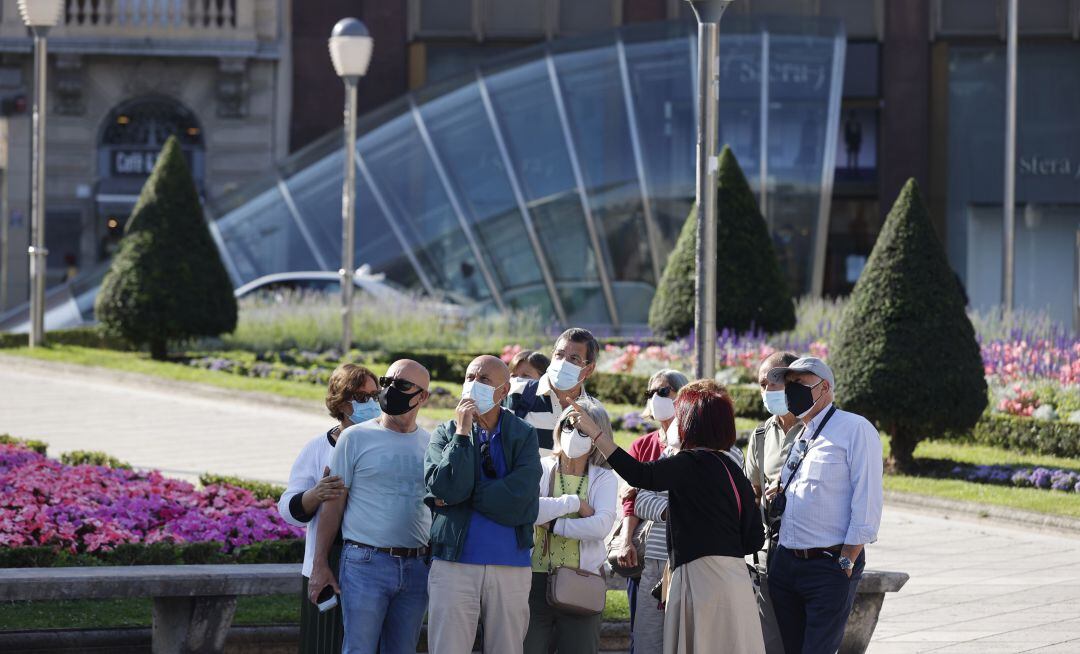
(673,378)
(600,417)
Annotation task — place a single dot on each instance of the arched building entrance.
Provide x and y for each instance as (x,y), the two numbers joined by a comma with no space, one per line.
(130,139)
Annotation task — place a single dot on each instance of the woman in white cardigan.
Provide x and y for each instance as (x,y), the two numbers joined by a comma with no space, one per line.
(578,505)
(351,398)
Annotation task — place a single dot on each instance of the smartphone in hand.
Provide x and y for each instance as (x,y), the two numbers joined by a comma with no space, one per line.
(327,599)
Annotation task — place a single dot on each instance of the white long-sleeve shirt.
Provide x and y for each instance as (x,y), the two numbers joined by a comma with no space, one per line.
(836,494)
(306,471)
(592,531)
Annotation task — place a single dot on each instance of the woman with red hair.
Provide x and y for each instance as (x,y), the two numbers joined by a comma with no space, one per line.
(712,524)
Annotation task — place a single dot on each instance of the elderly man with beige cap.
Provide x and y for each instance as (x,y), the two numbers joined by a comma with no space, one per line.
(828,499)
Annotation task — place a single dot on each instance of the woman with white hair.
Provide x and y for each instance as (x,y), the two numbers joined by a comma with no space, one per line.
(578,503)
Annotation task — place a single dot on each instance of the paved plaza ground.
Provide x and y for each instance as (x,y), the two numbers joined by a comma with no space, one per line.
(975,586)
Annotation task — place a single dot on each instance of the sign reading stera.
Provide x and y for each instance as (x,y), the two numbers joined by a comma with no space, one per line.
(133,162)
(1049,167)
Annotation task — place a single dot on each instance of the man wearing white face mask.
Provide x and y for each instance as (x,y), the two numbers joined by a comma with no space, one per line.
(482,471)
(540,403)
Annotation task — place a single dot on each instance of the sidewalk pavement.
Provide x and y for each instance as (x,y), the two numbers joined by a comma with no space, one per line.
(976,586)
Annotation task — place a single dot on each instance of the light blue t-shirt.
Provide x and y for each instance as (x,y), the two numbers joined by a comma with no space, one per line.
(384,472)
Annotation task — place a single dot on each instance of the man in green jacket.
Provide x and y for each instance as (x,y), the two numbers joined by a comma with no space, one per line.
(482,471)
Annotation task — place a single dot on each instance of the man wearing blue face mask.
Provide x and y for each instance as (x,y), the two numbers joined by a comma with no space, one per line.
(540,403)
(482,470)
(765,455)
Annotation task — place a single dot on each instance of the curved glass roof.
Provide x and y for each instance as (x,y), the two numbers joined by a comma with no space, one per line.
(559,177)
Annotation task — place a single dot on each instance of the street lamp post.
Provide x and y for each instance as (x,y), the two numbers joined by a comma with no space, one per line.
(708,14)
(39,16)
(350,52)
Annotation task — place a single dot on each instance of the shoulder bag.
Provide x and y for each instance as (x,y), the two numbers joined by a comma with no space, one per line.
(572,590)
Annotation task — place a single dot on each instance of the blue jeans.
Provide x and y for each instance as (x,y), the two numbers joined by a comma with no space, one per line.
(383,600)
(812,600)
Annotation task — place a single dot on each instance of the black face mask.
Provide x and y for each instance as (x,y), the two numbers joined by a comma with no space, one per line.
(394,402)
(800,397)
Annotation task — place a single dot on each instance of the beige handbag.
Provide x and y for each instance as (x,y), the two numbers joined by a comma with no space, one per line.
(572,590)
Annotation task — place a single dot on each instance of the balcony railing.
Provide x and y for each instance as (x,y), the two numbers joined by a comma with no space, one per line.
(160,14)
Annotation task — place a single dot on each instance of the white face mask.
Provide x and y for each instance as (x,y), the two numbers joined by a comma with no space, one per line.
(661,408)
(775,402)
(482,394)
(563,375)
(574,444)
(671,436)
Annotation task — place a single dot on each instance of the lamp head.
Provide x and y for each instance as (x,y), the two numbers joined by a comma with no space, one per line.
(350,48)
(709,11)
(41,13)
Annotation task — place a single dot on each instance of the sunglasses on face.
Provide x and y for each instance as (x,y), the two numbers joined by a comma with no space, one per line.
(800,447)
(662,392)
(360,396)
(402,385)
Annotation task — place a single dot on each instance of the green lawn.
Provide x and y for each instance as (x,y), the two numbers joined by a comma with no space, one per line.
(103,614)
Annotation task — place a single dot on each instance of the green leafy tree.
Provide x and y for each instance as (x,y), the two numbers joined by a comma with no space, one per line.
(905,354)
(751,291)
(167,281)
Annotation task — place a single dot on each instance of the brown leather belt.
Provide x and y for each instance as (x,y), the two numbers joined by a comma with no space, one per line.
(399,552)
(817,552)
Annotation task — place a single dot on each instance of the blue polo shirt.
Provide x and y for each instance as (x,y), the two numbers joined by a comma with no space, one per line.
(487,542)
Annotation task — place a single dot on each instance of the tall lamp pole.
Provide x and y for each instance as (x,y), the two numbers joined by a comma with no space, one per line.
(39,16)
(1009,203)
(350,52)
(708,14)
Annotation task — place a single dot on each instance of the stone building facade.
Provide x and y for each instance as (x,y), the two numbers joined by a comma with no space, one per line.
(124,75)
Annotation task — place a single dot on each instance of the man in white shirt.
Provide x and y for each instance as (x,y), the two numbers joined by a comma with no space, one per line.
(830,499)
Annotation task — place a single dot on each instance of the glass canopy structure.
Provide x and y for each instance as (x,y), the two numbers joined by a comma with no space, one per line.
(559,177)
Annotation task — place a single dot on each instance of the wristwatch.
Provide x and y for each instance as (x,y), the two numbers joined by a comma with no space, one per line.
(845,563)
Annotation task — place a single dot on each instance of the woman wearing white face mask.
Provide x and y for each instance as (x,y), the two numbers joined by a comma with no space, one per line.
(659,406)
(578,503)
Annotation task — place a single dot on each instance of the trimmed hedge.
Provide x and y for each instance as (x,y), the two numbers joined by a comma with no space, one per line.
(78,336)
(1054,438)
(260,489)
(281,551)
(38,446)
(92,458)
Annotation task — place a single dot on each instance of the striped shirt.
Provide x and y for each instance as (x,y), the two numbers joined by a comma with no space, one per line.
(650,505)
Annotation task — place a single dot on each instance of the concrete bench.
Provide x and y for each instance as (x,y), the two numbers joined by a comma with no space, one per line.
(193,604)
(864,614)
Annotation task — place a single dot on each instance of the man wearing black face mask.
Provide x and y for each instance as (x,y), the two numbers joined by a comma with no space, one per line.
(383,519)
(828,498)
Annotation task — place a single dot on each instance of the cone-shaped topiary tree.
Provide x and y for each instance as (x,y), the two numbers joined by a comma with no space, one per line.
(905,354)
(751,291)
(167,281)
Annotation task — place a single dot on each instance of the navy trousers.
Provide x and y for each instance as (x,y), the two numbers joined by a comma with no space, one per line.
(812,600)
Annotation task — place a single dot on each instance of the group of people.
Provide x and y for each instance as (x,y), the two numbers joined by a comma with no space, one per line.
(498,525)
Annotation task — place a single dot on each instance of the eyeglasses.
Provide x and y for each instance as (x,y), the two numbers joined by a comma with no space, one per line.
(487,464)
(573,358)
(360,396)
(664,391)
(402,385)
(569,426)
(800,448)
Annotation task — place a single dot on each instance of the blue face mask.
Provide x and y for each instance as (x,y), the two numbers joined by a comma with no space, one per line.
(364,411)
(482,394)
(775,402)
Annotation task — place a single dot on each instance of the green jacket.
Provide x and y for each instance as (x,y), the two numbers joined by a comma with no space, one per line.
(451,469)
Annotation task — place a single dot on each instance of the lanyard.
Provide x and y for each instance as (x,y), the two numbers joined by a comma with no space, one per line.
(798,463)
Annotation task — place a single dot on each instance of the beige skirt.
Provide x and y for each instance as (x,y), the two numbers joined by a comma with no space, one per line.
(711,609)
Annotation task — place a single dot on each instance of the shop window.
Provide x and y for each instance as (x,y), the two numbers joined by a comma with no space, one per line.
(1044,17)
(862,70)
(522,18)
(853,228)
(444,17)
(972,17)
(856,146)
(580,16)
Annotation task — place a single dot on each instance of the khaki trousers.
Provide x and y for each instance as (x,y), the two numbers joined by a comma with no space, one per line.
(460,594)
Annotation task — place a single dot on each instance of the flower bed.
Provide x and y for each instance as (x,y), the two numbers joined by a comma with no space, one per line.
(87,509)
(1024,477)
